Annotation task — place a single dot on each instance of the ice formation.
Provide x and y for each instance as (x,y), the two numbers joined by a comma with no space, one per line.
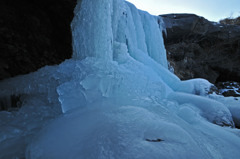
(117,95)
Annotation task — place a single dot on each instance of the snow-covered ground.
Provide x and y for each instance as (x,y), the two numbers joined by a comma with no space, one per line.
(116,98)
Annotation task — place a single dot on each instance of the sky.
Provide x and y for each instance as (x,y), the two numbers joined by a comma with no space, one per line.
(213,10)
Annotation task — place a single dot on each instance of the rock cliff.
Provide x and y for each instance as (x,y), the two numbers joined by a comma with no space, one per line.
(198,48)
(34,33)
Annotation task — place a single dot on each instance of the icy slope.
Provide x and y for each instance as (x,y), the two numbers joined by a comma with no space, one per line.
(118,98)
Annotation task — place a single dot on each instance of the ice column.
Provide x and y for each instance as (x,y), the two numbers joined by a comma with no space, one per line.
(91,29)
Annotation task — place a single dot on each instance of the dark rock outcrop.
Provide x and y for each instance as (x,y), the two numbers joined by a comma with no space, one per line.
(34,33)
(198,48)
(229,88)
(234,21)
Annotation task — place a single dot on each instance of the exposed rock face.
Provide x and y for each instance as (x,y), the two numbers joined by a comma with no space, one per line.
(34,33)
(198,48)
(235,21)
(229,88)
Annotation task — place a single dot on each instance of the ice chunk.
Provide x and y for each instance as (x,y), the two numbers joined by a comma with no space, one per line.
(71,96)
(233,104)
(212,110)
(194,86)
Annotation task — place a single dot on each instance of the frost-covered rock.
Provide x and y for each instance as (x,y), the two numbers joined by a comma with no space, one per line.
(229,88)
(195,86)
(233,104)
(212,110)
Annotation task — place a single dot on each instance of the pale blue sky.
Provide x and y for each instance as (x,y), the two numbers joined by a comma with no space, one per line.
(213,10)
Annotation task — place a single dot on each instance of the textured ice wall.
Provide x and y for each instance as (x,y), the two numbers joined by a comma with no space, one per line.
(119,22)
(94,31)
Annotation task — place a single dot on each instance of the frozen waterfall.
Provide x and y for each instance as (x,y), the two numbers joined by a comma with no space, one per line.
(118,98)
